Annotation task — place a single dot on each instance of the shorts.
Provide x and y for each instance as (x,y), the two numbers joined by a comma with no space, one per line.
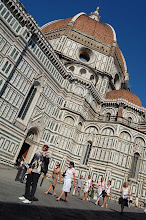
(86,189)
(78,187)
(130,201)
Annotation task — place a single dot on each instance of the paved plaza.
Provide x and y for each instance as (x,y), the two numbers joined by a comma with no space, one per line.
(48,208)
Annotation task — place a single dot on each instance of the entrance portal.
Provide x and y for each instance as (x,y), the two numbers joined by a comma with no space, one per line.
(23,151)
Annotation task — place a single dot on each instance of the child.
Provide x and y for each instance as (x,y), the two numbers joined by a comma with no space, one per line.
(136,202)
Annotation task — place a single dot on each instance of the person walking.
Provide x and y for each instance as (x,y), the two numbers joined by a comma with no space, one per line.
(136,201)
(54,178)
(124,197)
(101,187)
(88,184)
(130,200)
(79,184)
(68,175)
(38,164)
(106,194)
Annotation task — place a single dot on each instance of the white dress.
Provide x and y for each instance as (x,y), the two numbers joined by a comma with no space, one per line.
(67,180)
(108,190)
(101,186)
(87,185)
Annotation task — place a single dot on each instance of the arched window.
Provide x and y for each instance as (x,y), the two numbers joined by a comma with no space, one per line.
(129,120)
(69,120)
(135,166)
(72,68)
(87,153)
(117,82)
(125,135)
(108,116)
(92,130)
(108,131)
(27,102)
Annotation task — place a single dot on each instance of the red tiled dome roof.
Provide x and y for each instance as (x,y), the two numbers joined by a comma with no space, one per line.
(124,94)
(85,24)
(55,25)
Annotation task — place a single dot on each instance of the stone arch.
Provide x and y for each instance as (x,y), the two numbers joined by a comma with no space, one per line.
(91,129)
(139,144)
(69,120)
(112,111)
(125,135)
(131,115)
(29,145)
(107,131)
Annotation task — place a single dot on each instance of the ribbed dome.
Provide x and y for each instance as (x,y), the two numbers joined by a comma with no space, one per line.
(124,94)
(89,26)
(85,24)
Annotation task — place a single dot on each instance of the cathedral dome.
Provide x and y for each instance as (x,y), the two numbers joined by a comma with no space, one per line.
(91,26)
(124,94)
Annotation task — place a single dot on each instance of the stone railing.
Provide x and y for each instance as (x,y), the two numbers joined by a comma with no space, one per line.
(139,126)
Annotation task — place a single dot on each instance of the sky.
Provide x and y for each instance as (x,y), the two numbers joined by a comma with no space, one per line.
(127,17)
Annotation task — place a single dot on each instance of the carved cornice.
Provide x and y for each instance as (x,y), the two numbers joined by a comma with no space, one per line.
(25,19)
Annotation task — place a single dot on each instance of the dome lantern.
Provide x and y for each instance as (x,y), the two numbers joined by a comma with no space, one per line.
(95,15)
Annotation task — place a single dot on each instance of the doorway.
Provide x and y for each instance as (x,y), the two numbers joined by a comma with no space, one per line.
(23,151)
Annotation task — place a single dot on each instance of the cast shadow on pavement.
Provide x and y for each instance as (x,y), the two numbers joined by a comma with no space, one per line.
(15,211)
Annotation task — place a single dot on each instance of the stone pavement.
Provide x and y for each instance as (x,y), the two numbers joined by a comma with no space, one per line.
(48,208)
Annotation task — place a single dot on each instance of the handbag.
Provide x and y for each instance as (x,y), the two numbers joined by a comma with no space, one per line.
(64,174)
(120,200)
(51,180)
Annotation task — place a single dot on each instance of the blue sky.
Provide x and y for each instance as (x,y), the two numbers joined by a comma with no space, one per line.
(127,17)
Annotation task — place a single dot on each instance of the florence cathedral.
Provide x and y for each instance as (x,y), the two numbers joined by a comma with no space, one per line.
(66,85)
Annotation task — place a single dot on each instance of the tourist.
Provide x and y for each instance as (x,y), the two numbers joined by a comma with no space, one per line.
(91,191)
(79,184)
(54,178)
(38,164)
(68,175)
(101,187)
(87,183)
(106,194)
(124,197)
(130,200)
(136,201)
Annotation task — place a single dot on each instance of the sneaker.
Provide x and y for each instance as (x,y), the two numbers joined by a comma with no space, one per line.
(22,198)
(26,201)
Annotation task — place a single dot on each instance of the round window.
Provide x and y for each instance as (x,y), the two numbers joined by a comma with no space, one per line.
(84,57)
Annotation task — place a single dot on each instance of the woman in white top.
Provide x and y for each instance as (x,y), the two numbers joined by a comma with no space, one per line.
(101,187)
(87,183)
(125,194)
(107,193)
(69,174)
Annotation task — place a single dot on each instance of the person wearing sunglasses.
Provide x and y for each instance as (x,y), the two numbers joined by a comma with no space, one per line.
(38,165)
